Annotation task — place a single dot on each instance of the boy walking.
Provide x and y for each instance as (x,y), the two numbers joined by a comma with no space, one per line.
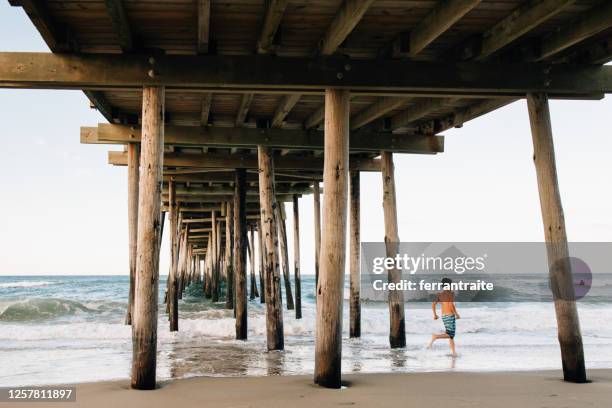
(449,315)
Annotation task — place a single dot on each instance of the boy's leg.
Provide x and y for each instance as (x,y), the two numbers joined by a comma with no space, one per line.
(435,337)
(451,342)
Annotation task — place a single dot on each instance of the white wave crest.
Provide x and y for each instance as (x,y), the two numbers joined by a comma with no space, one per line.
(26,284)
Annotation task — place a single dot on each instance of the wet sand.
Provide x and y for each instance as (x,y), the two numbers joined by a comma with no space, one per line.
(452,389)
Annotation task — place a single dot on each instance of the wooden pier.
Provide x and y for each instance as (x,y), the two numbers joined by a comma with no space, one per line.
(227,110)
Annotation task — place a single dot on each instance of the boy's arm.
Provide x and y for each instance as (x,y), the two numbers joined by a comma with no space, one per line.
(433,308)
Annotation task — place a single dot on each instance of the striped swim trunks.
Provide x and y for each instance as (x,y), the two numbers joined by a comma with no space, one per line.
(449,324)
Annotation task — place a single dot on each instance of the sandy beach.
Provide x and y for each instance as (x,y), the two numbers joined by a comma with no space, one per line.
(490,390)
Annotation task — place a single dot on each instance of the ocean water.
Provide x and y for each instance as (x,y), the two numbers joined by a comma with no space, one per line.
(65,329)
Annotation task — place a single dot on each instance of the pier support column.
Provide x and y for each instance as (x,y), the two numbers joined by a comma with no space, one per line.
(296,258)
(229,250)
(274,309)
(397,330)
(253,293)
(215,259)
(240,251)
(328,346)
(355,261)
(133,175)
(262,284)
(144,320)
(561,282)
(282,229)
(172,280)
(316,196)
(208,268)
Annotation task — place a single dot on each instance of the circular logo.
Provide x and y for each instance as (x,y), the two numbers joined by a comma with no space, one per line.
(581,279)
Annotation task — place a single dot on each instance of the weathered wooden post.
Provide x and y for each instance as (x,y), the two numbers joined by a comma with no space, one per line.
(397,329)
(328,346)
(262,284)
(354,251)
(253,293)
(274,309)
(133,174)
(208,268)
(282,229)
(561,282)
(144,320)
(240,238)
(219,257)
(316,195)
(215,258)
(172,280)
(229,250)
(296,258)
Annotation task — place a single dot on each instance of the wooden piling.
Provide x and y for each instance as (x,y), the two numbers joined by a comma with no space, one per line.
(330,286)
(172,296)
(215,259)
(284,251)
(229,250)
(133,175)
(240,251)
(262,285)
(397,328)
(355,259)
(561,282)
(208,268)
(296,258)
(253,293)
(144,320)
(316,195)
(274,310)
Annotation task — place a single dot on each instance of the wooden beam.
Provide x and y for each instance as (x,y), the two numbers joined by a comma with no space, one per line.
(272,18)
(346,19)
(173,282)
(440,19)
(277,138)
(296,258)
(205,110)
(284,252)
(181,72)
(216,160)
(240,253)
(144,324)
(225,176)
(99,101)
(330,286)
(529,15)
(317,228)
(55,36)
(203,25)
(397,325)
(243,110)
(375,111)
(224,190)
(459,117)
(560,269)
(354,253)
(315,118)
(420,109)
(133,153)
(274,311)
(283,109)
(120,23)
(593,22)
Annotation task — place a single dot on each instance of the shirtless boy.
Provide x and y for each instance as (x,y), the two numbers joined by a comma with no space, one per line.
(449,315)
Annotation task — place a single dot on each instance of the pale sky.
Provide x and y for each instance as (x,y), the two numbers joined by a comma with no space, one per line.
(65,209)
